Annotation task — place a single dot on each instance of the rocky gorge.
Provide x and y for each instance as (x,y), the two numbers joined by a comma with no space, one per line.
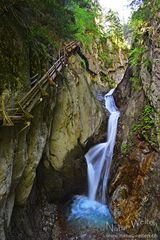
(42,162)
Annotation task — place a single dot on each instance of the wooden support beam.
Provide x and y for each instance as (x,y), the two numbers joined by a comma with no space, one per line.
(34,96)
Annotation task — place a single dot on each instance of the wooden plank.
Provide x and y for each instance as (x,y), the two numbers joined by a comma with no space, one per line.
(34,88)
(32,97)
(14,118)
(29,105)
(57,67)
(10,110)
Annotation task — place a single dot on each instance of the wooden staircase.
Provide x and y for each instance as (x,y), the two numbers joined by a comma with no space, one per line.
(9,116)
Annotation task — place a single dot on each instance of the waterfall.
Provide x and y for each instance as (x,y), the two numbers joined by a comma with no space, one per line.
(92,211)
(99,157)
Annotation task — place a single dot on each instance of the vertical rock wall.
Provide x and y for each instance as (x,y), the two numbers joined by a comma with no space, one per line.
(54,142)
(20,153)
(77,117)
(134,183)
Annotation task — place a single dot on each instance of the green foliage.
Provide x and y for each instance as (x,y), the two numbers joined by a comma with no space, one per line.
(147,9)
(107,57)
(141,28)
(125,148)
(145,125)
(55,16)
(84,27)
(136,56)
(83,64)
(136,83)
(148,64)
(112,45)
(44,25)
(110,82)
(140,24)
(42,37)
(114,30)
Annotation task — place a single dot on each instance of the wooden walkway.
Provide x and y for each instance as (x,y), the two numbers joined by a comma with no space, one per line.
(38,91)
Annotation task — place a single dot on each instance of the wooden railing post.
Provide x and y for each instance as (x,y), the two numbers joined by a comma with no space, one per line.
(28,101)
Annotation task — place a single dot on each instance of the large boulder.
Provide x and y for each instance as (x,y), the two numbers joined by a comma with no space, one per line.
(54,142)
(77,117)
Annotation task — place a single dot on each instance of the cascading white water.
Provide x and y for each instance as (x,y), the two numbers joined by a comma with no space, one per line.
(100,156)
(91,211)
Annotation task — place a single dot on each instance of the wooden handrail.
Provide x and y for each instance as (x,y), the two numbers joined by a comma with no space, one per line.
(29,100)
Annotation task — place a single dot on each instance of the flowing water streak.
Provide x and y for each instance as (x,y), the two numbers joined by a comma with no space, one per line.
(86,212)
(99,157)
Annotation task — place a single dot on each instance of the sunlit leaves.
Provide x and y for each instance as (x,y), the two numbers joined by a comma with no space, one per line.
(84,25)
(141,27)
(136,55)
(114,30)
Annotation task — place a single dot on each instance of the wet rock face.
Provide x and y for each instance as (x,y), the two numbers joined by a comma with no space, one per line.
(131,189)
(6,166)
(53,145)
(150,74)
(35,220)
(134,182)
(77,117)
(20,153)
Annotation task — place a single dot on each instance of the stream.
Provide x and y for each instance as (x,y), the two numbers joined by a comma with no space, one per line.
(92,211)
